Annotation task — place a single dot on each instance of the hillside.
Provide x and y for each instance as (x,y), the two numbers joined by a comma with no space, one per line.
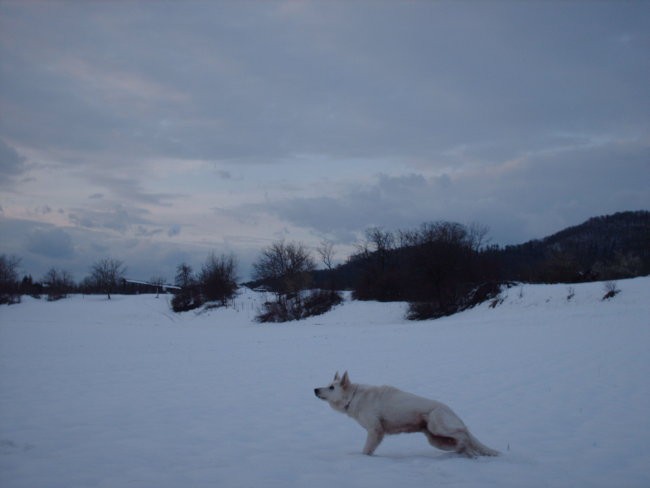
(97,393)
(602,248)
(608,247)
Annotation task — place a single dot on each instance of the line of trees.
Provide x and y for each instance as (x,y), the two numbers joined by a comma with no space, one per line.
(106,276)
(443,267)
(439,268)
(216,282)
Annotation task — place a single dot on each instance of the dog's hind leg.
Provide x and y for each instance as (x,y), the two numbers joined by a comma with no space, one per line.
(375,436)
(446,431)
(441,442)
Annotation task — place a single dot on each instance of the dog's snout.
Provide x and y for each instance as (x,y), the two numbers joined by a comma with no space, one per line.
(317,392)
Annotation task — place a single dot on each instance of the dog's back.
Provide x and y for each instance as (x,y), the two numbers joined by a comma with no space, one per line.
(397,411)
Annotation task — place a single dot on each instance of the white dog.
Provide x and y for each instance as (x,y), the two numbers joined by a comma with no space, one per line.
(386,410)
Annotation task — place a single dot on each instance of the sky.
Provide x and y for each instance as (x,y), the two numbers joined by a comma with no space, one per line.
(157,132)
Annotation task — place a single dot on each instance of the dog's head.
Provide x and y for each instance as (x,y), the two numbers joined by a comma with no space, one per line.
(337,393)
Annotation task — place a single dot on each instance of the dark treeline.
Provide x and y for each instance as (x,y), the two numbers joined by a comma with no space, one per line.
(214,283)
(443,267)
(602,248)
(106,276)
(439,268)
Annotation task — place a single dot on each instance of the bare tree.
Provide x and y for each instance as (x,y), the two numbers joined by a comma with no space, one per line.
(107,274)
(285,266)
(286,269)
(326,253)
(9,279)
(184,276)
(478,236)
(158,282)
(189,296)
(59,283)
(382,240)
(218,278)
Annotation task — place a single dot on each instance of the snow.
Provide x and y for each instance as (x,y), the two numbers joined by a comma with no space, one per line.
(98,393)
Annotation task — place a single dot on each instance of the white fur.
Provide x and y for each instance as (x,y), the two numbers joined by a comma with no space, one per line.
(385,410)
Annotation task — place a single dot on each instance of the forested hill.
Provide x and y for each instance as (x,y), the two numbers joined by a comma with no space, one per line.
(606,247)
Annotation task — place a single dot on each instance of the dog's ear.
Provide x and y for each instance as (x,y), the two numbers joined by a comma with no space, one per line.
(336,376)
(345,381)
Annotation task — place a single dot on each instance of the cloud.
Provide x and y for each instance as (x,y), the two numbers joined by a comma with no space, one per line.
(115,217)
(51,243)
(129,189)
(517,200)
(174,230)
(327,79)
(12,164)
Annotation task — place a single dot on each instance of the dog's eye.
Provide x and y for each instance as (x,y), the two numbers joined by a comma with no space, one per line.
(332,387)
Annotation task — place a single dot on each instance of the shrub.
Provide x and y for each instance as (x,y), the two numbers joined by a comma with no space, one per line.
(9,288)
(297,307)
(217,282)
(320,302)
(571,292)
(58,284)
(187,299)
(218,279)
(285,269)
(611,290)
(433,309)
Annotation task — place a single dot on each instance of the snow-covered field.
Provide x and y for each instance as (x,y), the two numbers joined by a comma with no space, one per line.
(124,393)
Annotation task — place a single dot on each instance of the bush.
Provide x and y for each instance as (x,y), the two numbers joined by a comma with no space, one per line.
(297,307)
(217,282)
(320,302)
(611,290)
(285,269)
(434,309)
(218,279)
(9,287)
(187,299)
(58,284)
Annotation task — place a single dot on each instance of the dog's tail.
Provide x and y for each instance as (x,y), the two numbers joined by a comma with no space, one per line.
(476,448)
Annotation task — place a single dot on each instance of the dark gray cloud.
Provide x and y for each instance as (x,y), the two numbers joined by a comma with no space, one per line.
(583,182)
(50,243)
(116,217)
(361,79)
(12,164)
(174,230)
(129,189)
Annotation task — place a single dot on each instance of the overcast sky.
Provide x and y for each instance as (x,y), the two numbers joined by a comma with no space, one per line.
(156,132)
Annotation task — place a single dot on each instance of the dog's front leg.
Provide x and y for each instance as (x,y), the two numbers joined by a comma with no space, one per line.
(375,437)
